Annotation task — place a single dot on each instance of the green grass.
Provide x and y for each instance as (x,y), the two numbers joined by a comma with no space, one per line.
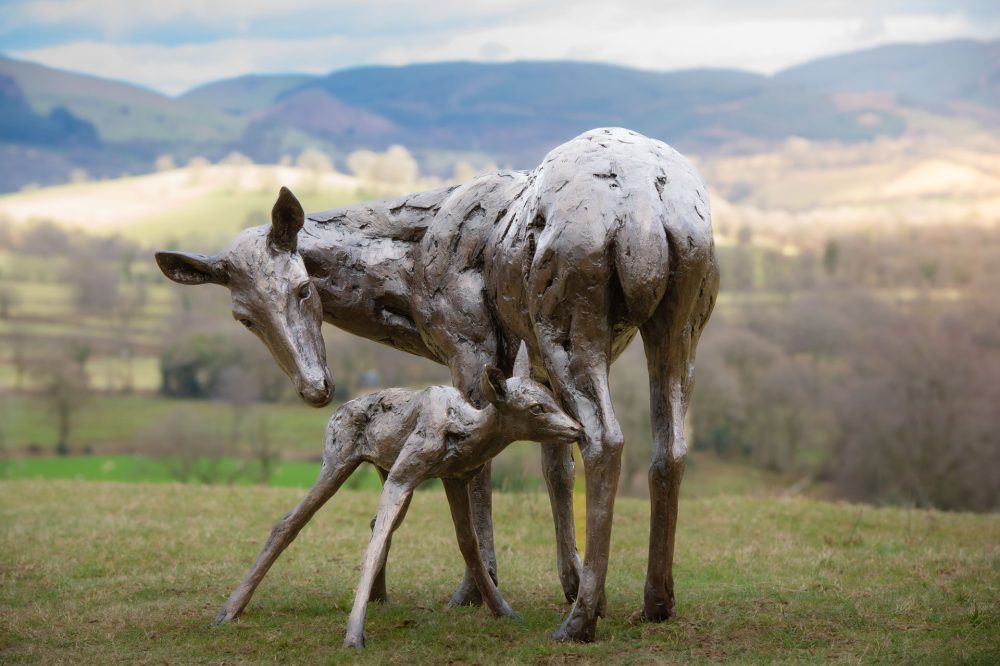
(134,574)
(118,422)
(140,469)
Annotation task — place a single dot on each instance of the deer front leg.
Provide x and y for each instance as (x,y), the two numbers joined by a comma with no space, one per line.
(467,367)
(559,472)
(330,479)
(396,494)
(459,501)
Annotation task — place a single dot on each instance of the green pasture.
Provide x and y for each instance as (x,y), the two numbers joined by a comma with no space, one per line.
(117,423)
(143,469)
(128,573)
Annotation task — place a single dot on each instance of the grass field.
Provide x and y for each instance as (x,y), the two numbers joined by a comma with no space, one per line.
(141,469)
(113,423)
(129,573)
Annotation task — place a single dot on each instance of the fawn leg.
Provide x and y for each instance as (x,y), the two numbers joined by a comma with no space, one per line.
(379,593)
(395,496)
(330,479)
(458,499)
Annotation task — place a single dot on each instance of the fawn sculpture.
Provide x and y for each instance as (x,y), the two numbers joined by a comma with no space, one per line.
(412,436)
(609,237)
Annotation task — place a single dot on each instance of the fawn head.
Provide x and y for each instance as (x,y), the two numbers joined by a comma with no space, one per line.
(527,409)
(272,294)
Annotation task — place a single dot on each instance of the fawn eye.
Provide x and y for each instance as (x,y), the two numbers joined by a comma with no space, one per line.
(537,410)
(304,291)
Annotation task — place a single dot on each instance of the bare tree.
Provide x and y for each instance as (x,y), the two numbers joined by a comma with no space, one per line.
(191,448)
(9,298)
(19,358)
(65,391)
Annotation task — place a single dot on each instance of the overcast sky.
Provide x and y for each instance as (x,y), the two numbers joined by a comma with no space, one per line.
(173,45)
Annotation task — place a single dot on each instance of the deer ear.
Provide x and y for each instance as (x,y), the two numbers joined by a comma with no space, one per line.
(287,218)
(187,268)
(494,384)
(522,364)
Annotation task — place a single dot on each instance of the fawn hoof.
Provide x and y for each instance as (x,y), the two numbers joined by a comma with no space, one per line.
(576,628)
(355,641)
(224,617)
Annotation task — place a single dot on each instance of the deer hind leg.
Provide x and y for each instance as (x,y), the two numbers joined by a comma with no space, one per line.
(574,349)
(459,502)
(670,339)
(331,477)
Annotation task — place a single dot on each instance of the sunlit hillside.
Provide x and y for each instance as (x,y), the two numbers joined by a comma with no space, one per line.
(210,201)
(802,185)
(807,186)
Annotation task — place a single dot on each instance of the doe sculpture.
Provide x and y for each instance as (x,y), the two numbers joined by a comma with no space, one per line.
(609,237)
(411,436)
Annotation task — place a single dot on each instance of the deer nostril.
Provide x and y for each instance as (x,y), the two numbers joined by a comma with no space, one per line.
(326,386)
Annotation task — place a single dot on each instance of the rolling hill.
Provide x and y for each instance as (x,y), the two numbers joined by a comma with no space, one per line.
(511,112)
(946,76)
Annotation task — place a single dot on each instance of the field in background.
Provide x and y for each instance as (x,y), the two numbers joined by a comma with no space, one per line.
(134,573)
(909,223)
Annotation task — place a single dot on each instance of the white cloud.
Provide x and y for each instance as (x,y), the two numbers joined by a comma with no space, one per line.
(663,36)
(174,69)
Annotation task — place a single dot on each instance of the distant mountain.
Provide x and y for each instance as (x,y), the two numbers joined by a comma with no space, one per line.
(121,112)
(244,94)
(941,76)
(131,125)
(517,111)
(19,123)
(510,112)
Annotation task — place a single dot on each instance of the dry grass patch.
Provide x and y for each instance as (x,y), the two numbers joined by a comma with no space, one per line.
(115,573)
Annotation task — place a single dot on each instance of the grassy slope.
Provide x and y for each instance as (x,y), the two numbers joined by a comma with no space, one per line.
(127,574)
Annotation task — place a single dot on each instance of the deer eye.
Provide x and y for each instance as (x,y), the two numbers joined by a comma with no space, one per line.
(304,291)
(537,410)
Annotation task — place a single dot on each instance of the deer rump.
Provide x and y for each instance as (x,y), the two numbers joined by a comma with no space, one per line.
(507,250)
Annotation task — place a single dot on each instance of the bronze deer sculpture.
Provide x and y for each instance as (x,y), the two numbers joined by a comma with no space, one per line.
(411,436)
(610,236)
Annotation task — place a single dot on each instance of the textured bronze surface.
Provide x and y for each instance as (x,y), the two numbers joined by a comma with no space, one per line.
(610,236)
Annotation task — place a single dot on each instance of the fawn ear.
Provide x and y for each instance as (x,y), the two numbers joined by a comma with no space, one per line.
(287,218)
(187,268)
(494,384)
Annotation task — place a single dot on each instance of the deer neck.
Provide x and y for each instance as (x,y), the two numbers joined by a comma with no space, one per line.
(361,261)
(491,432)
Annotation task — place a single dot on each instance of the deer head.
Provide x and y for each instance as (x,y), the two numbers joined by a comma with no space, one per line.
(527,409)
(272,294)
